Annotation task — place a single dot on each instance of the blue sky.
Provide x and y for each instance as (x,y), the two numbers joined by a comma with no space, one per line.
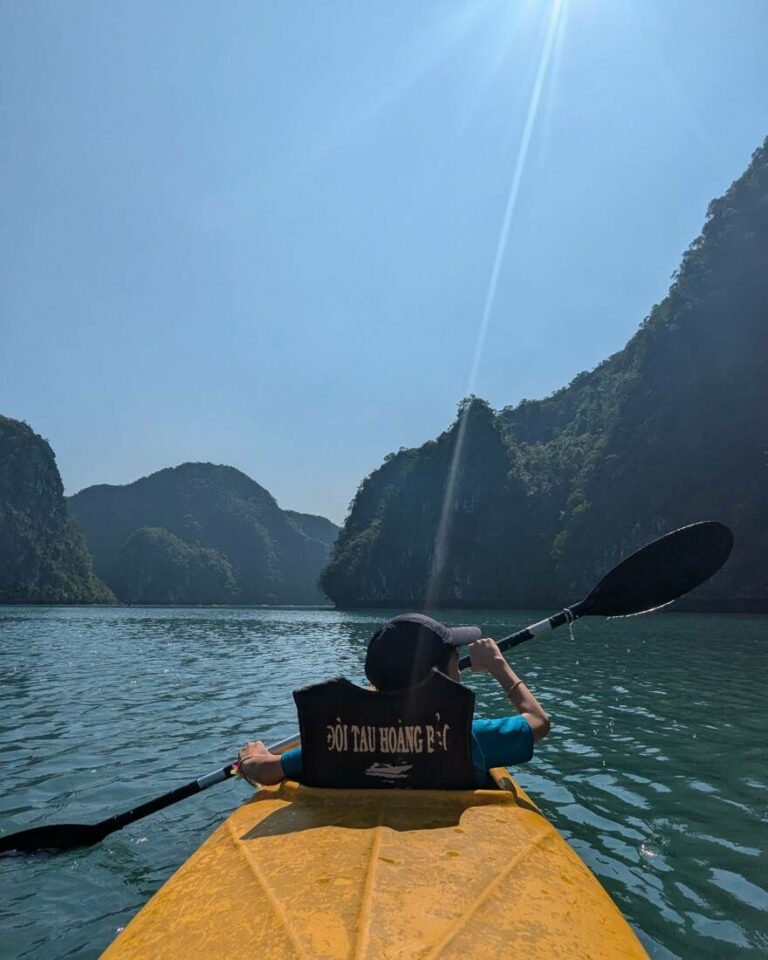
(263,234)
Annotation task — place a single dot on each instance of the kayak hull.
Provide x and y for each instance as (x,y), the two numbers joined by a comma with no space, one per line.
(300,872)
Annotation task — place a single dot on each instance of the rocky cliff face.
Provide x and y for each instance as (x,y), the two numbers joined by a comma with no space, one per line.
(672,429)
(43,558)
(202,533)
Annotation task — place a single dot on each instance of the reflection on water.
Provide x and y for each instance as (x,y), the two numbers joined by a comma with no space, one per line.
(656,769)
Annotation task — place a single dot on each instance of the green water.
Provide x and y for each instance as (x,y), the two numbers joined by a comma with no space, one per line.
(656,769)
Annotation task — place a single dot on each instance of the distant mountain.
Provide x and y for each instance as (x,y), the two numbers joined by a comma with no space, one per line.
(529,506)
(317,528)
(43,558)
(202,533)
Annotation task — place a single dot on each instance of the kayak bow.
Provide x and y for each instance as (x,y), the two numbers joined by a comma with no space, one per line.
(300,872)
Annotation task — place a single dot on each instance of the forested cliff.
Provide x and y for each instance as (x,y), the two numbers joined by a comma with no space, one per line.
(43,558)
(202,533)
(528,506)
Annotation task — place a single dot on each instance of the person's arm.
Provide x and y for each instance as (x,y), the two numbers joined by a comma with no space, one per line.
(258,765)
(486,656)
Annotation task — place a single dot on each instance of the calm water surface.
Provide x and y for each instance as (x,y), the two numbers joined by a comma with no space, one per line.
(656,769)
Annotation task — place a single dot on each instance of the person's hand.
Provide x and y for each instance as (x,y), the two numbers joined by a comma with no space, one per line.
(485,655)
(251,758)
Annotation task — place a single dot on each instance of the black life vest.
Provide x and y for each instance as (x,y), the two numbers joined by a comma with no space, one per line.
(420,737)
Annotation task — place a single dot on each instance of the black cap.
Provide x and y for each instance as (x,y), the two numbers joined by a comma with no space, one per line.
(403,651)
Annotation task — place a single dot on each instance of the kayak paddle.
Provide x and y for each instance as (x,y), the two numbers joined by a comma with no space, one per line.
(651,578)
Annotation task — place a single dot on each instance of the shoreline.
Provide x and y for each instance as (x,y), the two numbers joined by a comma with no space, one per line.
(756,606)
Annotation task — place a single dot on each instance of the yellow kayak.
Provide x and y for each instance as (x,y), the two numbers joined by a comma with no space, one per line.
(301,872)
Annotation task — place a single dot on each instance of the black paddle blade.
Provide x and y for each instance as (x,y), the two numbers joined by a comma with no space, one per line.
(52,839)
(661,572)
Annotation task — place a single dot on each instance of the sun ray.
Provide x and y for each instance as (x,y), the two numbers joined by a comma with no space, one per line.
(441,543)
(514,190)
(554,76)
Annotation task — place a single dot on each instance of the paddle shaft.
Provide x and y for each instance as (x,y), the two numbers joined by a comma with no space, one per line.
(120,820)
(543,626)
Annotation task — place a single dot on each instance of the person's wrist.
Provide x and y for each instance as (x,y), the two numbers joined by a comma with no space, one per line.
(500,669)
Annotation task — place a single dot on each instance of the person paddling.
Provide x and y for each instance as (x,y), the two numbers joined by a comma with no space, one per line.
(415,729)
